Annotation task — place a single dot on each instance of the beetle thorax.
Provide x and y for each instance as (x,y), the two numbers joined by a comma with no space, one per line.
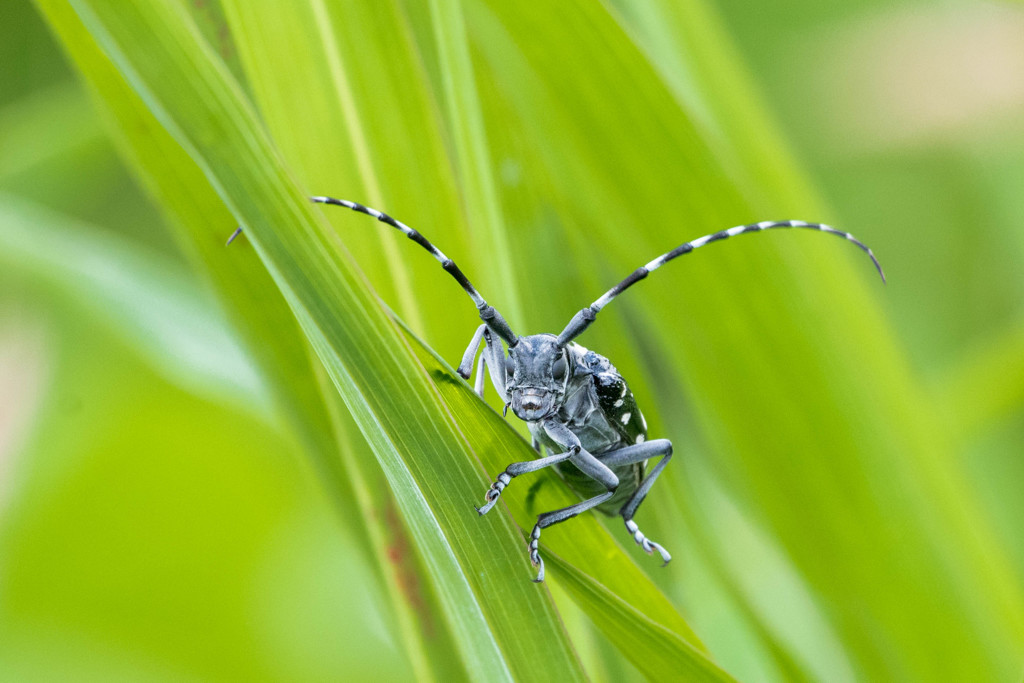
(538,373)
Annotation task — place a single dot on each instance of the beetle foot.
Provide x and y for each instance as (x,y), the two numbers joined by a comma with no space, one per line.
(647,544)
(535,555)
(494,492)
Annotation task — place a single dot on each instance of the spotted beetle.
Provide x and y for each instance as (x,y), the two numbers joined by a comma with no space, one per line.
(575,403)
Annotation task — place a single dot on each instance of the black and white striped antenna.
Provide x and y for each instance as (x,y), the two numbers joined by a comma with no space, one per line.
(583,319)
(586,316)
(488,313)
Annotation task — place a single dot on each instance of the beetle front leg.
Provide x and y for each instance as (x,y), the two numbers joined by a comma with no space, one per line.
(514,470)
(465,368)
(492,359)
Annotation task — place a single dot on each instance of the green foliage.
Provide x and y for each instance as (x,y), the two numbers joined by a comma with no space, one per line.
(822,523)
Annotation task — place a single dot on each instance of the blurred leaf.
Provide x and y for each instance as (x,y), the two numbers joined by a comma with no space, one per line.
(157,536)
(151,302)
(33,118)
(985,386)
(686,43)
(257,308)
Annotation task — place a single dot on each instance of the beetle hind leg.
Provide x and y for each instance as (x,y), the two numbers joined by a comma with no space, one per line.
(635,454)
(647,544)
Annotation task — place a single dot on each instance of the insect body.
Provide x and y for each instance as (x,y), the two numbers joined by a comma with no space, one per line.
(579,407)
(576,404)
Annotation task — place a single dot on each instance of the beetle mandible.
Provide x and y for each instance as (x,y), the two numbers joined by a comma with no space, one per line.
(574,401)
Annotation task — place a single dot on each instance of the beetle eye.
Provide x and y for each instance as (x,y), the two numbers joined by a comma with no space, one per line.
(558,369)
(510,366)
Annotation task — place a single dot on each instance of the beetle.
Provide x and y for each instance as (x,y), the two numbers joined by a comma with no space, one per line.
(575,403)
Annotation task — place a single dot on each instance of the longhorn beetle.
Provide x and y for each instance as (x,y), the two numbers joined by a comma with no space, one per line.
(574,401)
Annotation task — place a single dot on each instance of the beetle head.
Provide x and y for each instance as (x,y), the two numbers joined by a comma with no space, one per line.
(537,372)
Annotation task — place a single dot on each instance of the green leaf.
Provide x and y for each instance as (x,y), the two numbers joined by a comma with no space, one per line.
(596,154)
(779,344)
(422,454)
(149,534)
(473,159)
(656,651)
(986,386)
(152,303)
(256,308)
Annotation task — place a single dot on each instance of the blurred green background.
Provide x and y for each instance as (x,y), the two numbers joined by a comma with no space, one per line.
(159,521)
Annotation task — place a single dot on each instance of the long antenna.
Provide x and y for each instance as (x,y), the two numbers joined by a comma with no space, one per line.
(488,313)
(586,316)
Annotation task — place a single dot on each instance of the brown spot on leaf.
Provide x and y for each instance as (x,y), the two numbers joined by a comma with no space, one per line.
(405,566)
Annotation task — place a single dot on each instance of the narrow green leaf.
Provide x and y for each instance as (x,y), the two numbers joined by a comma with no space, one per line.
(653,649)
(806,402)
(423,456)
(349,80)
(471,147)
(356,485)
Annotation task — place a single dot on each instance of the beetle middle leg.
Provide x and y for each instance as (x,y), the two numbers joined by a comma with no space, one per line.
(554,517)
(592,467)
(588,465)
(628,456)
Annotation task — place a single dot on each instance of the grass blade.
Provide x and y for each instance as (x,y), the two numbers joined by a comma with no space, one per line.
(192,95)
(779,345)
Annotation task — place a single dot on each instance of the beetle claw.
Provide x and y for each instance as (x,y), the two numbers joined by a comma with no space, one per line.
(647,544)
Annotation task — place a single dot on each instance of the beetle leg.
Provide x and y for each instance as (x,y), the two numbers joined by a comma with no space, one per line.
(481,378)
(635,454)
(514,470)
(586,463)
(495,356)
(548,518)
(492,359)
(466,366)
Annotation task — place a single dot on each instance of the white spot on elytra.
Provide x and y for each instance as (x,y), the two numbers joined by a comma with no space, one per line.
(618,403)
(640,439)
(625,417)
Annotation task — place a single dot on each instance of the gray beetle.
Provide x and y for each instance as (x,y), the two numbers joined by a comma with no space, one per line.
(574,401)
